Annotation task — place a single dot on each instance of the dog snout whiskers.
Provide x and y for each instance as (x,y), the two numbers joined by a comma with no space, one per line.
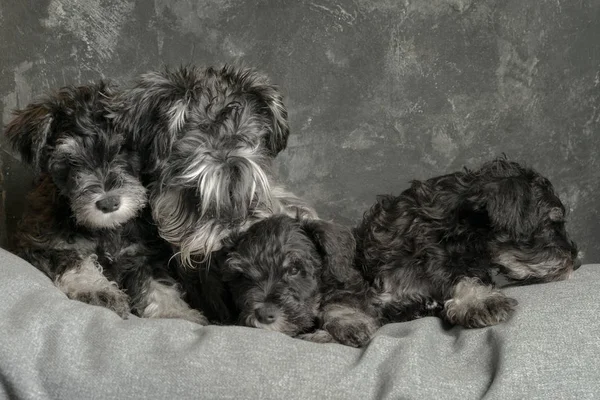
(109,204)
(267,314)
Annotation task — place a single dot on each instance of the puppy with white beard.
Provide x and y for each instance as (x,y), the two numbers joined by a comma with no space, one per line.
(85,225)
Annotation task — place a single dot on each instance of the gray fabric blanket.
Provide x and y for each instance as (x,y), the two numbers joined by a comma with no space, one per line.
(52,347)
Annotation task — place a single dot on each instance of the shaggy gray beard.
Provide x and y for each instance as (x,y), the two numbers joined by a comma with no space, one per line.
(195,235)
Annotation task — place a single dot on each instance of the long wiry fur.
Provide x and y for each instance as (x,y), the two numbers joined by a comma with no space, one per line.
(207,139)
(438,242)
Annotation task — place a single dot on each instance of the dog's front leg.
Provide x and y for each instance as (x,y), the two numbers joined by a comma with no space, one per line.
(475,305)
(348,325)
(85,282)
(162,298)
(318,336)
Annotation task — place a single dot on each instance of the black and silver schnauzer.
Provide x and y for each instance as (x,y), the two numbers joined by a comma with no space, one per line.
(289,275)
(85,225)
(207,139)
(434,246)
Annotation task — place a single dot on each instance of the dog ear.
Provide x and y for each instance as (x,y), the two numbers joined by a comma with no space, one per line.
(28,132)
(508,203)
(271,103)
(224,258)
(155,109)
(385,201)
(230,242)
(277,141)
(335,243)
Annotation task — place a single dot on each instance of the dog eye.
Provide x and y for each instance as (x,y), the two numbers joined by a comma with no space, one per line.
(293,271)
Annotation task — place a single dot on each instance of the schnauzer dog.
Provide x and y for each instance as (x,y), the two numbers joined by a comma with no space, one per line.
(84,226)
(289,275)
(207,139)
(434,247)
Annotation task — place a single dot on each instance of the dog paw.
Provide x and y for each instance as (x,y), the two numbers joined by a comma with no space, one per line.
(351,333)
(490,311)
(178,310)
(113,299)
(318,336)
(195,316)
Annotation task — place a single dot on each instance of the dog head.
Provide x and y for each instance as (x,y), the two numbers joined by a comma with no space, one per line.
(278,271)
(207,138)
(66,136)
(529,241)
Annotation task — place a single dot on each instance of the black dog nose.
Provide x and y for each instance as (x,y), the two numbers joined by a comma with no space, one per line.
(576,264)
(267,314)
(109,204)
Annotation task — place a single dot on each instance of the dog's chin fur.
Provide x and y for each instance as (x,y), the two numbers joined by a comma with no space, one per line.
(417,247)
(88,215)
(207,138)
(179,222)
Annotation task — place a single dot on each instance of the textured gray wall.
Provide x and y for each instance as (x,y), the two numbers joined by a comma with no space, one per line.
(379,91)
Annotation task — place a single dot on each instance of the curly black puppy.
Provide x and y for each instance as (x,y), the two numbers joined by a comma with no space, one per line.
(292,276)
(207,137)
(84,225)
(438,242)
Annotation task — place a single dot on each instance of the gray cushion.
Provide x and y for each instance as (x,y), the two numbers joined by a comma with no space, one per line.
(52,347)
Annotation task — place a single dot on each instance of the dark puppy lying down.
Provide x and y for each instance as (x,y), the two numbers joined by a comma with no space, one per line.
(439,241)
(291,276)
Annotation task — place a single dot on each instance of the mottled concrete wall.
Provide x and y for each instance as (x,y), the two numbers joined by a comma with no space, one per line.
(379,91)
